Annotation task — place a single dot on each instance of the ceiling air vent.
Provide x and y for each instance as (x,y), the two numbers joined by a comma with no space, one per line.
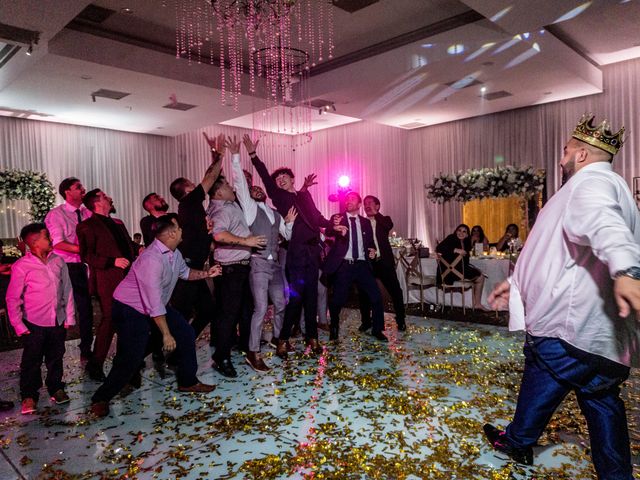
(413,125)
(353,5)
(183,107)
(111,94)
(496,95)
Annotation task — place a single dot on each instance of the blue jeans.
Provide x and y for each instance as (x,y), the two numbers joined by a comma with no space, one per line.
(552,369)
(133,329)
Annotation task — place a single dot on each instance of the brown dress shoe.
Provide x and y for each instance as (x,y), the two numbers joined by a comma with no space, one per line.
(254,360)
(282,350)
(290,348)
(316,347)
(197,388)
(100,409)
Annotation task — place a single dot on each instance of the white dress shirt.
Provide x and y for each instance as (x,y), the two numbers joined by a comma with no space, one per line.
(61,222)
(349,254)
(249,205)
(562,285)
(39,293)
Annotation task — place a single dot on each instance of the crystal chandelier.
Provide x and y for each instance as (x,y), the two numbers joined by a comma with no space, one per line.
(263,47)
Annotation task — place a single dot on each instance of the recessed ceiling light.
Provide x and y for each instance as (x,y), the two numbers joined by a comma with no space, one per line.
(548,93)
(128,11)
(483,89)
(455,49)
(85,77)
(487,64)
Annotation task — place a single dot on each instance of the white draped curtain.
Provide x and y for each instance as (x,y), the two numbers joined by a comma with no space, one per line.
(390,163)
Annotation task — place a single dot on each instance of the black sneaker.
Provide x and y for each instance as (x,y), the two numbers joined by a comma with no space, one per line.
(500,443)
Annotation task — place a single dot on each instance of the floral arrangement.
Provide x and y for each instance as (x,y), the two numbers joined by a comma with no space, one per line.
(11,251)
(28,185)
(485,183)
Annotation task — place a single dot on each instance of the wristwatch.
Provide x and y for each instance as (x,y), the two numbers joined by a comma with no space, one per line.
(633,272)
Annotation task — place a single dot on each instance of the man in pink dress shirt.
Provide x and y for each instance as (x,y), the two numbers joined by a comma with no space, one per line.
(61,222)
(40,308)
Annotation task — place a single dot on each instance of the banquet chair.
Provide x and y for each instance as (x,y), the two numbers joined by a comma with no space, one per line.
(415,277)
(460,283)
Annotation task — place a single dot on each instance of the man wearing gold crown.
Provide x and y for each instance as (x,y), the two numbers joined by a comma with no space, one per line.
(576,292)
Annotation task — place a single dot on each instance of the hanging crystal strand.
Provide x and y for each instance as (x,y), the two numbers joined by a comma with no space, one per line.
(199,20)
(320,30)
(330,25)
(251,38)
(223,90)
(311,35)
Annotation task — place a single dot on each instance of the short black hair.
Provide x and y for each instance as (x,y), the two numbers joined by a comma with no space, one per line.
(66,185)
(216,185)
(282,171)
(91,198)
(177,188)
(375,199)
(353,192)
(137,235)
(32,229)
(145,199)
(163,223)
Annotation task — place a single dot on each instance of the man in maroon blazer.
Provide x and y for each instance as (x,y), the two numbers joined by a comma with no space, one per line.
(105,245)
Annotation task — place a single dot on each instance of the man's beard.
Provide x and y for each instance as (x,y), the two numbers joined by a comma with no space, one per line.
(568,170)
(163,207)
(112,209)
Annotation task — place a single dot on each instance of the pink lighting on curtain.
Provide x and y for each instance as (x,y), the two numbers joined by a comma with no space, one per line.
(344,181)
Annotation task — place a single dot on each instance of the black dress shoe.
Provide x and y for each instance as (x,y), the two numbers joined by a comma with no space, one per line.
(364,327)
(402,326)
(380,336)
(136,380)
(500,443)
(225,367)
(5,405)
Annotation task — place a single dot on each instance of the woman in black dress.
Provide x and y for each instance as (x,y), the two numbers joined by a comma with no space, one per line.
(459,244)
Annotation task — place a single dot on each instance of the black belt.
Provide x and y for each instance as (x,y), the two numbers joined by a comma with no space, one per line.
(351,262)
(238,262)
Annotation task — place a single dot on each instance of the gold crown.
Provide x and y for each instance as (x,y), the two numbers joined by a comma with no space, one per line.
(600,136)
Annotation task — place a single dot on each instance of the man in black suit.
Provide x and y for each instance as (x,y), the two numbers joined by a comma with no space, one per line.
(384,266)
(348,262)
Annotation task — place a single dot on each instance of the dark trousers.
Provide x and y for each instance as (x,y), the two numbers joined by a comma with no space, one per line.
(82,298)
(105,330)
(387,275)
(360,273)
(233,295)
(133,329)
(194,299)
(303,294)
(552,369)
(42,343)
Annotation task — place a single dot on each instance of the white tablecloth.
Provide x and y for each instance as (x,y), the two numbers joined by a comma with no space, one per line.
(495,269)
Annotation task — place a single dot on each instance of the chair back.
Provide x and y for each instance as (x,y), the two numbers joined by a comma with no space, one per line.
(447,268)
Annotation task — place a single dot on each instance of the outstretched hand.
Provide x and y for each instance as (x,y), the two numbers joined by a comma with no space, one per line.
(216,144)
(233,145)
(291,215)
(249,144)
(309,181)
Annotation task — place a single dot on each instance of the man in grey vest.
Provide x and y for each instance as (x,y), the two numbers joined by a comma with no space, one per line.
(266,278)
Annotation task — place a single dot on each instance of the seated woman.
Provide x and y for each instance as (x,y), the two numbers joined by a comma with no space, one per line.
(459,244)
(478,236)
(511,233)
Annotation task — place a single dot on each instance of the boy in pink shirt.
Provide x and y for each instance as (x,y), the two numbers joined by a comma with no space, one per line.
(40,308)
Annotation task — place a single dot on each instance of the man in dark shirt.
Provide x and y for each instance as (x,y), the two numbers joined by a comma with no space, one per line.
(303,253)
(105,245)
(196,239)
(156,206)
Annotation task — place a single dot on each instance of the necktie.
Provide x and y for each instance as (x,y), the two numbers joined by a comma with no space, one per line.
(355,251)
(79,215)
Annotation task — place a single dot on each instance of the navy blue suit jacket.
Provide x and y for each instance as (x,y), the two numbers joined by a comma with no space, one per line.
(335,257)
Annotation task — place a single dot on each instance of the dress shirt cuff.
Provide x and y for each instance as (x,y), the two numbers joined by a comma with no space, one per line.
(621,260)
(235,158)
(157,311)
(20,328)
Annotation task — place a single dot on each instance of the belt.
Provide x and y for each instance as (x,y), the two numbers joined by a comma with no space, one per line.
(238,262)
(351,262)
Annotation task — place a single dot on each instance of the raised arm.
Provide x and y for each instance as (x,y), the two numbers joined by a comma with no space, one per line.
(269,183)
(217,146)
(248,204)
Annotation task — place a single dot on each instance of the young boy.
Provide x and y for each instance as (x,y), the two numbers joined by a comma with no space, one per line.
(40,307)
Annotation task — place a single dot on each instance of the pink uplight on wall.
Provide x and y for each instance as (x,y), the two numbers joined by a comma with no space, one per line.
(344,181)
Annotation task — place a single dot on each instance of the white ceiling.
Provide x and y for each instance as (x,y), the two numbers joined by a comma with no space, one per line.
(538,51)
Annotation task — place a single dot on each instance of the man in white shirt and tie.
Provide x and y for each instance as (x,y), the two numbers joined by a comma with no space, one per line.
(61,222)
(576,292)
(349,262)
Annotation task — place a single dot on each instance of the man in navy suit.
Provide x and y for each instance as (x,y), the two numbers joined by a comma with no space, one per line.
(348,262)
(384,265)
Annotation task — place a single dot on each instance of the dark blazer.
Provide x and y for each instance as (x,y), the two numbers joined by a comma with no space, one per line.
(335,257)
(384,225)
(99,249)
